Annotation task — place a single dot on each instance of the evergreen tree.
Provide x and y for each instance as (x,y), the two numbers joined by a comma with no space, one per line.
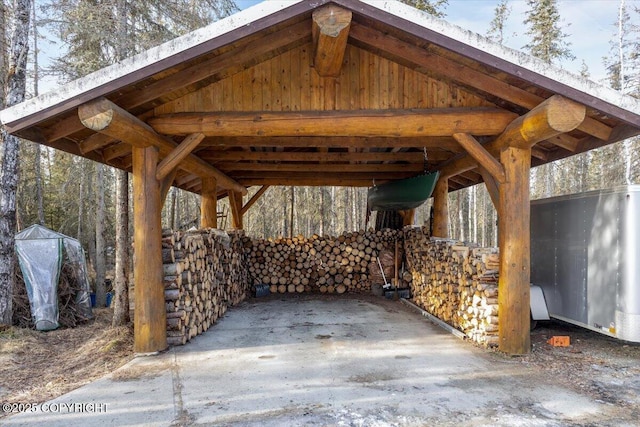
(432,7)
(87,28)
(496,27)
(547,36)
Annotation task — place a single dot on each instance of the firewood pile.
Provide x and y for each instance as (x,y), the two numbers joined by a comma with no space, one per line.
(204,274)
(68,287)
(346,263)
(456,283)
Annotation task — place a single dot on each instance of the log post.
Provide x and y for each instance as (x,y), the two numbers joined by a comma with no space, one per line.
(514,242)
(330,31)
(150,316)
(441,208)
(235,201)
(408,216)
(209,203)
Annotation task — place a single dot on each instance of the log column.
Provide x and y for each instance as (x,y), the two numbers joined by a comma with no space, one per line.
(441,208)
(235,201)
(209,203)
(408,216)
(514,242)
(150,329)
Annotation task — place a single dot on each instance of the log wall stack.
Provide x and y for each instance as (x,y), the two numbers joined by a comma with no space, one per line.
(320,263)
(205,272)
(456,282)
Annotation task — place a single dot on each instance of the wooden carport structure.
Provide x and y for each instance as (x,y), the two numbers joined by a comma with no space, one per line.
(327,92)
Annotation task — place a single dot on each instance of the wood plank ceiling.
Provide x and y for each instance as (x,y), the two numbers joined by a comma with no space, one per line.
(282,106)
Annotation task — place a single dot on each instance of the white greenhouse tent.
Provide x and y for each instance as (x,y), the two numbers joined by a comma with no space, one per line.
(41,252)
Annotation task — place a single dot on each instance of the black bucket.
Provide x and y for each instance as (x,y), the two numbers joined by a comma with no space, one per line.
(262,290)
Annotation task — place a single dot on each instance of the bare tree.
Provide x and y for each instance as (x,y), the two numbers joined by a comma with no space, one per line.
(121,303)
(16,87)
(101,291)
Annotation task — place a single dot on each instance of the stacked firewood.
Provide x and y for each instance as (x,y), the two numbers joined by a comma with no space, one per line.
(325,264)
(455,282)
(204,274)
(69,314)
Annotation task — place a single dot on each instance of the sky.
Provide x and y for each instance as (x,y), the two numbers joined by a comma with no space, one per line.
(589,23)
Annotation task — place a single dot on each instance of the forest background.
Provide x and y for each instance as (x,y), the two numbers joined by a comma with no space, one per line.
(78,197)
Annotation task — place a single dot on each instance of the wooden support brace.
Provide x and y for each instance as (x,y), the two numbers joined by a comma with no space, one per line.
(441,208)
(178,155)
(209,203)
(553,117)
(254,199)
(165,185)
(105,117)
(493,187)
(150,329)
(514,242)
(330,30)
(482,156)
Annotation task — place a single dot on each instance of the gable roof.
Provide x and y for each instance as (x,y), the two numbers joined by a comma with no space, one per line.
(397,57)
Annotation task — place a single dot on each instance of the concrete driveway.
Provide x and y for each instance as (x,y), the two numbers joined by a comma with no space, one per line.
(322,361)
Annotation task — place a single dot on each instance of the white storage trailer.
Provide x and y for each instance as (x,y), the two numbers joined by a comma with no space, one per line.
(585,255)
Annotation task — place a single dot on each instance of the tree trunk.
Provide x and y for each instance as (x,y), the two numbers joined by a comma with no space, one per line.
(121,300)
(172,210)
(81,202)
(16,83)
(3,56)
(292,212)
(36,92)
(101,292)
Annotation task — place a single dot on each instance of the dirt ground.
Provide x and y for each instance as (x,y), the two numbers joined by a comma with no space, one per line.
(36,366)
(602,367)
(39,366)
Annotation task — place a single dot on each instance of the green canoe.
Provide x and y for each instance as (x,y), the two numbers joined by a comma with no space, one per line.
(402,194)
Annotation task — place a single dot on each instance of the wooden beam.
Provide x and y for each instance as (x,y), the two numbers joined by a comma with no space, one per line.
(235,202)
(329,30)
(150,327)
(178,154)
(185,179)
(336,181)
(539,153)
(209,203)
(514,241)
(314,156)
(254,199)
(439,143)
(344,175)
(117,150)
(565,141)
(95,142)
(320,167)
(441,208)
(363,123)
(492,185)
(482,156)
(105,117)
(432,63)
(554,116)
